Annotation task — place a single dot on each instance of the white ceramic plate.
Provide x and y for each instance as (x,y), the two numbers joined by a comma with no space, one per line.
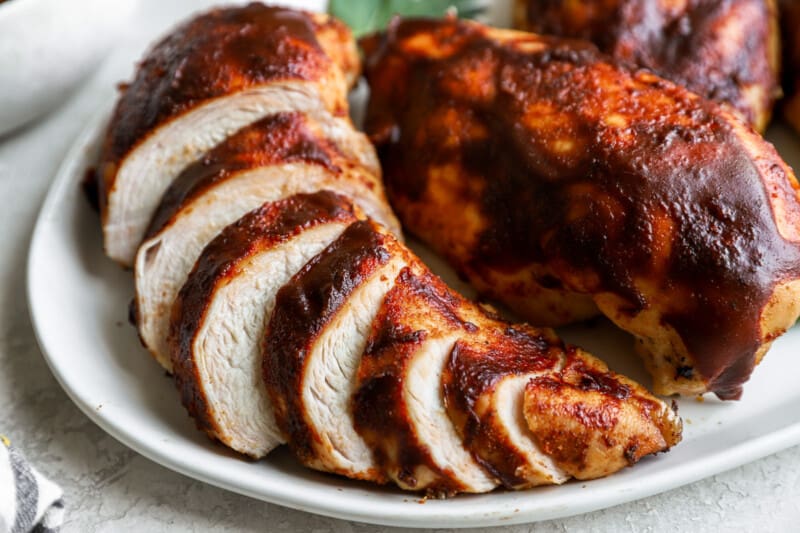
(78,302)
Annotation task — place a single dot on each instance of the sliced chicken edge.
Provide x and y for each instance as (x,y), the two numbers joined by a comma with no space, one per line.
(226,352)
(329,377)
(147,170)
(399,405)
(305,308)
(422,394)
(164,261)
(536,467)
(484,384)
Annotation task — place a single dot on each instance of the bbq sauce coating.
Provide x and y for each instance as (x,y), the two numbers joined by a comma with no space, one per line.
(474,370)
(726,50)
(380,413)
(262,228)
(303,307)
(216,54)
(276,139)
(615,184)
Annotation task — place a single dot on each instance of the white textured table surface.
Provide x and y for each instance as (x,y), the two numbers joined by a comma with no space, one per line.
(110,488)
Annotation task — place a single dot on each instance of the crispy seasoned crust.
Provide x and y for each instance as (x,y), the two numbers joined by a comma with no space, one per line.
(790,26)
(727,50)
(263,228)
(219,53)
(536,164)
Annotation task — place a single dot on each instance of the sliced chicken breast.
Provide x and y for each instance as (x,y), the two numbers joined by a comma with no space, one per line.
(210,77)
(274,158)
(483,385)
(314,343)
(220,313)
(398,407)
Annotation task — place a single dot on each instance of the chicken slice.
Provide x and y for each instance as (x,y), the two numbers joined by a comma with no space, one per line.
(273,158)
(483,385)
(398,407)
(727,50)
(593,422)
(209,78)
(219,317)
(314,343)
(560,182)
(534,411)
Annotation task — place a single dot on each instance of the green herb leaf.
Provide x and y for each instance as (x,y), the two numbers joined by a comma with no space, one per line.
(366,16)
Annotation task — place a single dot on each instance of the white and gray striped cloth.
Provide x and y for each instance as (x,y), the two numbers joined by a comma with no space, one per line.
(29,502)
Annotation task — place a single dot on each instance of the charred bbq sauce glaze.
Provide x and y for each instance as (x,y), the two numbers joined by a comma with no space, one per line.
(303,308)
(379,409)
(261,229)
(687,165)
(276,139)
(685,45)
(474,369)
(218,53)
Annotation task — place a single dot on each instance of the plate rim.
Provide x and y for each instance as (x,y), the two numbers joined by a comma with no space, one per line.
(74,164)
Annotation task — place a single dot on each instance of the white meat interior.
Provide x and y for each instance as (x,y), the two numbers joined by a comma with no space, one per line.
(164,261)
(330,375)
(226,349)
(422,392)
(507,403)
(150,167)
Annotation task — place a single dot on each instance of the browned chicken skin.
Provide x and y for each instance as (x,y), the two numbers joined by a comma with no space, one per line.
(727,50)
(555,180)
(790,25)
